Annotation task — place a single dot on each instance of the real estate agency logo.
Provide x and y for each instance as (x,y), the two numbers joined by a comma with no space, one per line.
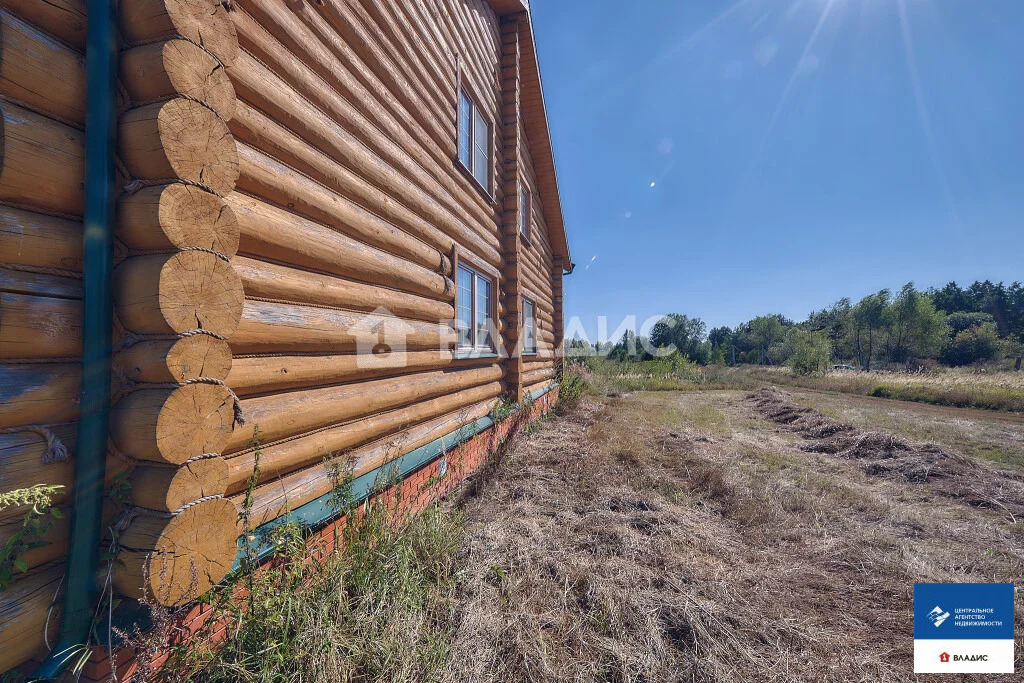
(946,658)
(938,616)
(964,628)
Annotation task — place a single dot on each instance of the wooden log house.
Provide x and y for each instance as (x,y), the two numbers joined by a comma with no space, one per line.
(339,239)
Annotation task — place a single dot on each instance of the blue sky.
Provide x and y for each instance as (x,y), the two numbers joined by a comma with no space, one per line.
(801,150)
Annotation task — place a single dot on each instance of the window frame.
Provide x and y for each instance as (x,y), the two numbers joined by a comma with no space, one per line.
(529,324)
(475,346)
(525,211)
(469,165)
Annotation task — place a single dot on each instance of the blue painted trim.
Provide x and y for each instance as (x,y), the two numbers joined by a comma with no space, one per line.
(319,511)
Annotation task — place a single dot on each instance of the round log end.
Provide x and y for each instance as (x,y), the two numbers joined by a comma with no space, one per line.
(195,419)
(195,72)
(176,360)
(174,561)
(198,218)
(179,292)
(198,145)
(174,425)
(200,290)
(177,215)
(204,22)
(168,489)
(179,138)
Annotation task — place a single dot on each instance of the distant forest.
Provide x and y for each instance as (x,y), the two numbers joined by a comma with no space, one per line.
(954,326)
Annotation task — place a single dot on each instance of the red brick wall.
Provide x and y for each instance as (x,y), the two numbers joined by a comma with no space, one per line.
(412,495)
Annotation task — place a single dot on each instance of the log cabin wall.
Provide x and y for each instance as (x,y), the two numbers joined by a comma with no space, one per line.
(290,233)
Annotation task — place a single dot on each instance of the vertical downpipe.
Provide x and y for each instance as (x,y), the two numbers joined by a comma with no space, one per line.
(80,582)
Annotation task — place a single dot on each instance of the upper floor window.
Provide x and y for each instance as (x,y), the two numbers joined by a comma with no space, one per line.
(475,310)
(529,327)
(474,140)
(525,205)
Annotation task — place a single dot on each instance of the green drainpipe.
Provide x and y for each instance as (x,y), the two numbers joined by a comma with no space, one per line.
(80,584)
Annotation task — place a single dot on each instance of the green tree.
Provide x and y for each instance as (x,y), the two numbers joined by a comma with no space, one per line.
(973,345)
(684,333)
(915,328)
(767,331)
(630,347)
(720,339)
(964,320)
(837,322)
(808,351)
(868,316)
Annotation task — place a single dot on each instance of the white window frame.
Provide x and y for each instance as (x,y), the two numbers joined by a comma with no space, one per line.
(470,164)
(529,323)
(525,210)
(475,343)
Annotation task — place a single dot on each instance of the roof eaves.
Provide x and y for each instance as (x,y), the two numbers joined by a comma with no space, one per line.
(535,120)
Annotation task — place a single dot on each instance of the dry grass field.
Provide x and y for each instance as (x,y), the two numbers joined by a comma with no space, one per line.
(956,387)
(709,536)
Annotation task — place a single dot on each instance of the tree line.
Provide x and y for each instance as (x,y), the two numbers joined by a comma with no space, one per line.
(954,326)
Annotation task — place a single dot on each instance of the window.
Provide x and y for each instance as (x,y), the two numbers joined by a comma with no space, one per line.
(529,327)
(524,210)
(474,140)
(475,307)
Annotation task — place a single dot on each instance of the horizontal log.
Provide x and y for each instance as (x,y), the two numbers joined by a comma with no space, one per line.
(35,239)
(22,466)
(271,281)
(297,55)
(39,327)
(54,543)
(173,293)
(18,281)
(438,82)
(276,234)
(169,488)
(174,561)
(177,216)
(277,460)
(263,176)
(177,67)
(40,71)
(263,133)
(297,412)
(43,162)
(65,19)
(431,108)
(24,609)
(531,388)
(286,328)
(370,57)
(46,393)
(263,374)
(204,22)
(178,138)
(173,425)
(531,377)
(38,393)
(298,488)
(289,128)
(175,360)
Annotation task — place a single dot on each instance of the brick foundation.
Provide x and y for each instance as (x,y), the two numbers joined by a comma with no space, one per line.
(415,493)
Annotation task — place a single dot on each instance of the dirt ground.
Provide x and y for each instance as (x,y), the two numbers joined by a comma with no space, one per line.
(704,536)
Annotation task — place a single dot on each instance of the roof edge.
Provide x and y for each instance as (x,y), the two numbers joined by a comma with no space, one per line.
(538,131)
